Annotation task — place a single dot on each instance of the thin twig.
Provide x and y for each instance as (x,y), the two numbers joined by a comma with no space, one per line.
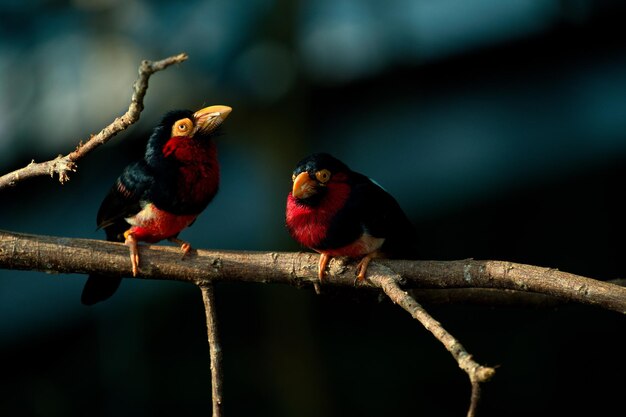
(63,165)
(475,397)
(215,351)
(387,280)
(85,256)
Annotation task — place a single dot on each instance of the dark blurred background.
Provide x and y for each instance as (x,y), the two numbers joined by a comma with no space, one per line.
(500,126)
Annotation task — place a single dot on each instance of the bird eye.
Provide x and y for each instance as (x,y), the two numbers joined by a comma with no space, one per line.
(182,127)
(322,175)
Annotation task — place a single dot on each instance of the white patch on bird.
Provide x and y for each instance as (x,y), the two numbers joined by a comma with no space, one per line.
(365,245)
(148,212)
(371,243)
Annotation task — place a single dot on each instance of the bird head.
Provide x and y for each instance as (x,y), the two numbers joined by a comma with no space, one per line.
(314,174)
(182,125)
(203,122)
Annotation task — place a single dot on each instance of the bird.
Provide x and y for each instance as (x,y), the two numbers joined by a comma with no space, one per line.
(339,212)
(161,194)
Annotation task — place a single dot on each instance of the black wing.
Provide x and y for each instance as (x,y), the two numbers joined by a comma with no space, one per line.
(124,200)
(382,216)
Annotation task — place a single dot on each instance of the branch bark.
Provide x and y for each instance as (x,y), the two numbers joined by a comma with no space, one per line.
(478,374)
(62,165)
(84,256)
(203,268)
(215,350)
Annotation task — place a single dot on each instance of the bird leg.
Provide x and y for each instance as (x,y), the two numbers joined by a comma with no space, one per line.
(324,259)
(131,242)
(184,246)
(361,268)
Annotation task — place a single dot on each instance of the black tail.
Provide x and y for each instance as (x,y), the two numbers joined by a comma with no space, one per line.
(99,288)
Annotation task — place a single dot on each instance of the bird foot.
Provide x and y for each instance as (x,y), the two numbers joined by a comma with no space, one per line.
(131,242)
(361,269)
(321,271)
(185,247)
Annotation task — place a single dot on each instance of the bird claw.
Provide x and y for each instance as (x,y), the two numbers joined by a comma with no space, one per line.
(361,270)
(324,260)
(184,246)
(135,265)
(131,242)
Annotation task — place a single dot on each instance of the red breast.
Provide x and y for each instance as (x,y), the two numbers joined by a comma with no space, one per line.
(152,224)
(199,171)
(309,224)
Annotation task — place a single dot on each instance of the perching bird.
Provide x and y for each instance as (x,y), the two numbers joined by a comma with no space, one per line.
(338,212)
(163,193)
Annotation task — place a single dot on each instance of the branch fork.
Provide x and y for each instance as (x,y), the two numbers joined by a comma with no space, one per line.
(63,165)
(388,281)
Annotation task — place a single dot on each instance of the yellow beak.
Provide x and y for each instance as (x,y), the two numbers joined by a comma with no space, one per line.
(303,186)
(209,118)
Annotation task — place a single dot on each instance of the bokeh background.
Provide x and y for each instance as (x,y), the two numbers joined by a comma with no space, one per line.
(500,126)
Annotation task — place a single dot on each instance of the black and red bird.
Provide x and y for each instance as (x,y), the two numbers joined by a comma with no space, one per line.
(163,193)
(338,212)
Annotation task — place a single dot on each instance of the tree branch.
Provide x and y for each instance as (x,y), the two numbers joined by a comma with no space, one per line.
(202,268)
(84,256)
(492,297)
(387,280)
(215,350)
(63,165)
